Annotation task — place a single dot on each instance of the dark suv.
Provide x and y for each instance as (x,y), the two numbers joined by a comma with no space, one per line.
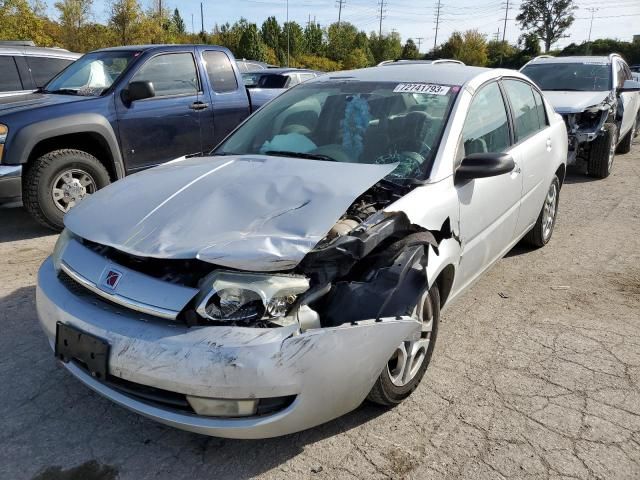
(25,67)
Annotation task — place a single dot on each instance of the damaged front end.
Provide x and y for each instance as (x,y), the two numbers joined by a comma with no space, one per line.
(585,126)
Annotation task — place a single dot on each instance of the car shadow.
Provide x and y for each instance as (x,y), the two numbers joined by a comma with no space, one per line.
(17,224)
(40,398)
(519,249)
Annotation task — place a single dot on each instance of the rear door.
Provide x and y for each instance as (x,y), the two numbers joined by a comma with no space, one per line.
(533,150)
(488,206)
(166,126)
(226,99)
(629,100)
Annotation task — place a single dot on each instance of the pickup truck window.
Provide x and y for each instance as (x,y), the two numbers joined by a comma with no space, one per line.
(91,74)
(9,78)
(44,69)
(170,74)
(220,71)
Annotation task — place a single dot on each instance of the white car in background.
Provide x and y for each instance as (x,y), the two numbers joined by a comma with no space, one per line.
(302,267)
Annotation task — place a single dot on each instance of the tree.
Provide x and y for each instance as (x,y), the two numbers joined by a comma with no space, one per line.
(385,47)
(410,50)
(178,23)
(250,45)
(270,33)
(356,59)
(18,21)
(74,15)
(125,18)
(502,54)
(548,19)
(293,36)
(313,39)
(341,40)
(469,47)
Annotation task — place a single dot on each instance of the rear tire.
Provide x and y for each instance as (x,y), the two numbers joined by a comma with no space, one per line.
(387,391)
(602,152)
(57,180)
(625,144)
(541,232)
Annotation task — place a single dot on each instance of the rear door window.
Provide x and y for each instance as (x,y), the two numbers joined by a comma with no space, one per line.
(486,128)
(220,71)
(525,110)
(542,113)
(44,69)
(170,74)
(9,77)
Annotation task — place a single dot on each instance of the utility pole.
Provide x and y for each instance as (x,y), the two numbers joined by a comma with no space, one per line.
(438,10)
(202,17)
(419,40)
(593,11)
(288,29)
(193,30)
(504,29)
(340,3)
(497,35)
(381,17)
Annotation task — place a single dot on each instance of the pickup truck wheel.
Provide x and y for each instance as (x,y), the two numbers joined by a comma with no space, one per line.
(57,181)
(603,150)
(625,144)
(408,363)
(541,232)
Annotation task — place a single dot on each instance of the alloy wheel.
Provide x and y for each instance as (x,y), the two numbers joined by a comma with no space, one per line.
(71,186)
(549,211)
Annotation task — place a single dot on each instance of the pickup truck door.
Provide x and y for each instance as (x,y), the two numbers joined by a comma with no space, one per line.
(226,98)
(489,207)
(166,126)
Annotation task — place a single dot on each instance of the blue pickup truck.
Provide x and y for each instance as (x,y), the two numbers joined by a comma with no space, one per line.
(112,113)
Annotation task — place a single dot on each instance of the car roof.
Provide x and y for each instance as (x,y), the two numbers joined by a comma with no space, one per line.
(439,73)
(149,47)
(424,62)
(37,51)
(576,59)
(279,71)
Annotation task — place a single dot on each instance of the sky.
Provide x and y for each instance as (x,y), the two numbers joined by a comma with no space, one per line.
(411,18)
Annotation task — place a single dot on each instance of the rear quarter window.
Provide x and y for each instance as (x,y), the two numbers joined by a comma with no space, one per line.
(220,71)
(9,77)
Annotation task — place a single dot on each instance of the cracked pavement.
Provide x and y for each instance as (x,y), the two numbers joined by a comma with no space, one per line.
(536,374)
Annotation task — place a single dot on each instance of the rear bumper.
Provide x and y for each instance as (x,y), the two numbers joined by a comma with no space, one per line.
(10,183)
(328,370)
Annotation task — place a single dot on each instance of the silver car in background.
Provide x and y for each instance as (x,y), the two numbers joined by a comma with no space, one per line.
(302,268)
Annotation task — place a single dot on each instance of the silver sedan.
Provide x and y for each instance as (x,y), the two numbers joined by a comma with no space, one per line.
(301,268)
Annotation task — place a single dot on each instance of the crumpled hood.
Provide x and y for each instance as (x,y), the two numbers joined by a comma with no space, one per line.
(247,212)
(574,102)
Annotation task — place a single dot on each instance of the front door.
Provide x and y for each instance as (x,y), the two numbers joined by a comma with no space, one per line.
(166,126)
(489,207)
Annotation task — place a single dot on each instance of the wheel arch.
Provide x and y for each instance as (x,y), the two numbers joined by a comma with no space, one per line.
(88,132)
(444,281)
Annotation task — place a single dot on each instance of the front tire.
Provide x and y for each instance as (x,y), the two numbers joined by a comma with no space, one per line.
(57,181)
(603,150)
(406,367)
(541,232)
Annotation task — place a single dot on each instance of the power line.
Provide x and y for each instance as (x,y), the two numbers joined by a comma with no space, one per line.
(340,3)
(381,17)
(438,10)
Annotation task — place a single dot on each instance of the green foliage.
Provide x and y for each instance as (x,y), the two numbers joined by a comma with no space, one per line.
(270,33)
(548,19)
(19,22)
(313,39)
(604,46)
(502,54)
(410,50)
(385,47)
(469,47)
(178,23)
(293,36)
(316,62)
(125,18)
(250,45)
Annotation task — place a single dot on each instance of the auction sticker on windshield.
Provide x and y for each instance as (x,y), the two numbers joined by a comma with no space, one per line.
(421,88)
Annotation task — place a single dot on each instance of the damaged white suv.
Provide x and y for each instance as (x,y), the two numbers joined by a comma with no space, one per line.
(302,267)
(599,101)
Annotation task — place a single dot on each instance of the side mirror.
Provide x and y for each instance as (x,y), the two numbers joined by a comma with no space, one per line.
(138,91)
(630,86)
(482,165)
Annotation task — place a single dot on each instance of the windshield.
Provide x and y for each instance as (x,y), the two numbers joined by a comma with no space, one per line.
(581,77)
(91,74)
(351,121)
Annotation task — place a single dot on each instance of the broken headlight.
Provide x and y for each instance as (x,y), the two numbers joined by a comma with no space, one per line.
(61,244)
(247,297)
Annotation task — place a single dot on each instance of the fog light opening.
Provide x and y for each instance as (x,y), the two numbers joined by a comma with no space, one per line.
(217,407)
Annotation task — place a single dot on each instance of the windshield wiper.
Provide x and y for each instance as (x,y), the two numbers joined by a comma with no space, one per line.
(310,156)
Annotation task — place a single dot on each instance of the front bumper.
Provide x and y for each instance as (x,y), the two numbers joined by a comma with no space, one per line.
(328,370)
(10,183)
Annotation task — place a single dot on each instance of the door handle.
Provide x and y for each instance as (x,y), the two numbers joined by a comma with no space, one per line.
(548,144)
(198,106)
